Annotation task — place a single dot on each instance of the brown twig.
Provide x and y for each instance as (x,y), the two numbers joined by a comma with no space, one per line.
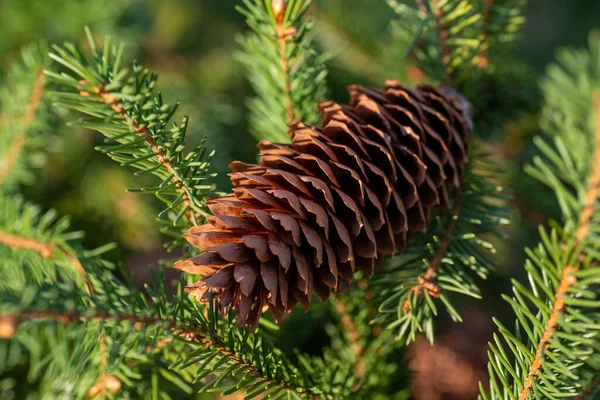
(196,333)
(422,6)
(142,131)
(568,279)
(354,339)
(16,146)
(438,15)
(45,250)
(482,63)
(284,34)
(425,283)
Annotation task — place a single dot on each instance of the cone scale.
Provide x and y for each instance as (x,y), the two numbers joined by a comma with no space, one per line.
(334,201)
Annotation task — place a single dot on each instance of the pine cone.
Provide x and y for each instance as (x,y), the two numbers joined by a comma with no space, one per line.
(335,200)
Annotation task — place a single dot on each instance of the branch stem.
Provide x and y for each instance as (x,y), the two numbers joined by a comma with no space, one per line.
(18,142)
(425,283)
(195,333)
(482,63)
(284,34)
(45,250)
(142,131)
(568,279)
(443,34)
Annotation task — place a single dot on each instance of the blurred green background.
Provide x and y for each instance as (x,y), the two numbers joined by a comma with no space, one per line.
(192,44)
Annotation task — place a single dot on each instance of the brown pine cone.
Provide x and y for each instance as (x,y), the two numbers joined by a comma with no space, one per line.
(335,200)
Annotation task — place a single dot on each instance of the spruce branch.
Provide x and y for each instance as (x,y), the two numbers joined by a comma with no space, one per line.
(23,116)
(555,336)
(448,38)
(410,284)
(442,30)
(284,34)
(142,131)
(482,63)
(425,283)
(18,141)
(111,317)
(442,36)
(123,106)
(285,69)
(40,240)
(568,278)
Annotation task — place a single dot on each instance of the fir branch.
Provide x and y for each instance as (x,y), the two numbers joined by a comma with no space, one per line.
(112,315)
(45,250)
(11,156)
(426,282)
(442,29)
(284,34)
(448,38)
(566,282)
(18,141)
(501,24)
(198,334)
(568,279)
(142,131)
(284,67)
(24,231)
(410,284)
(483,60)
(442,36)
(555,358)
(123,106)
(17,242)
(591,197)
(23,116)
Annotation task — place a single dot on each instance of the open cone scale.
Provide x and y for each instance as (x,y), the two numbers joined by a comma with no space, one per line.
(335,200)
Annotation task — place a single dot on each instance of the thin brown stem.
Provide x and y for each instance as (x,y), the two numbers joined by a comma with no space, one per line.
(442,29)
(425,283)
(194,333)
(422,6)
(284,34)
(18,142)
(45,250)
(142,131)
(483,61)
(568,279)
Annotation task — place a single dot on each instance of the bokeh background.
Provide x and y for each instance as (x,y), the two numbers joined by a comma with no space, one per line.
(193,46)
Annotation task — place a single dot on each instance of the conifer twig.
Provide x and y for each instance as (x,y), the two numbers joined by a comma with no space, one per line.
(425,283)
(567,279)
(142,131)
(45,250)
(442,29)
(283,36)
(197,333)
(18,142)
(482,62)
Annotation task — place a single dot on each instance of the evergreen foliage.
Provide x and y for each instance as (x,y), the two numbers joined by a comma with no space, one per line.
(75,325)
(555,339)
(284,67)
(135,120)
(444,259)
(24,118)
